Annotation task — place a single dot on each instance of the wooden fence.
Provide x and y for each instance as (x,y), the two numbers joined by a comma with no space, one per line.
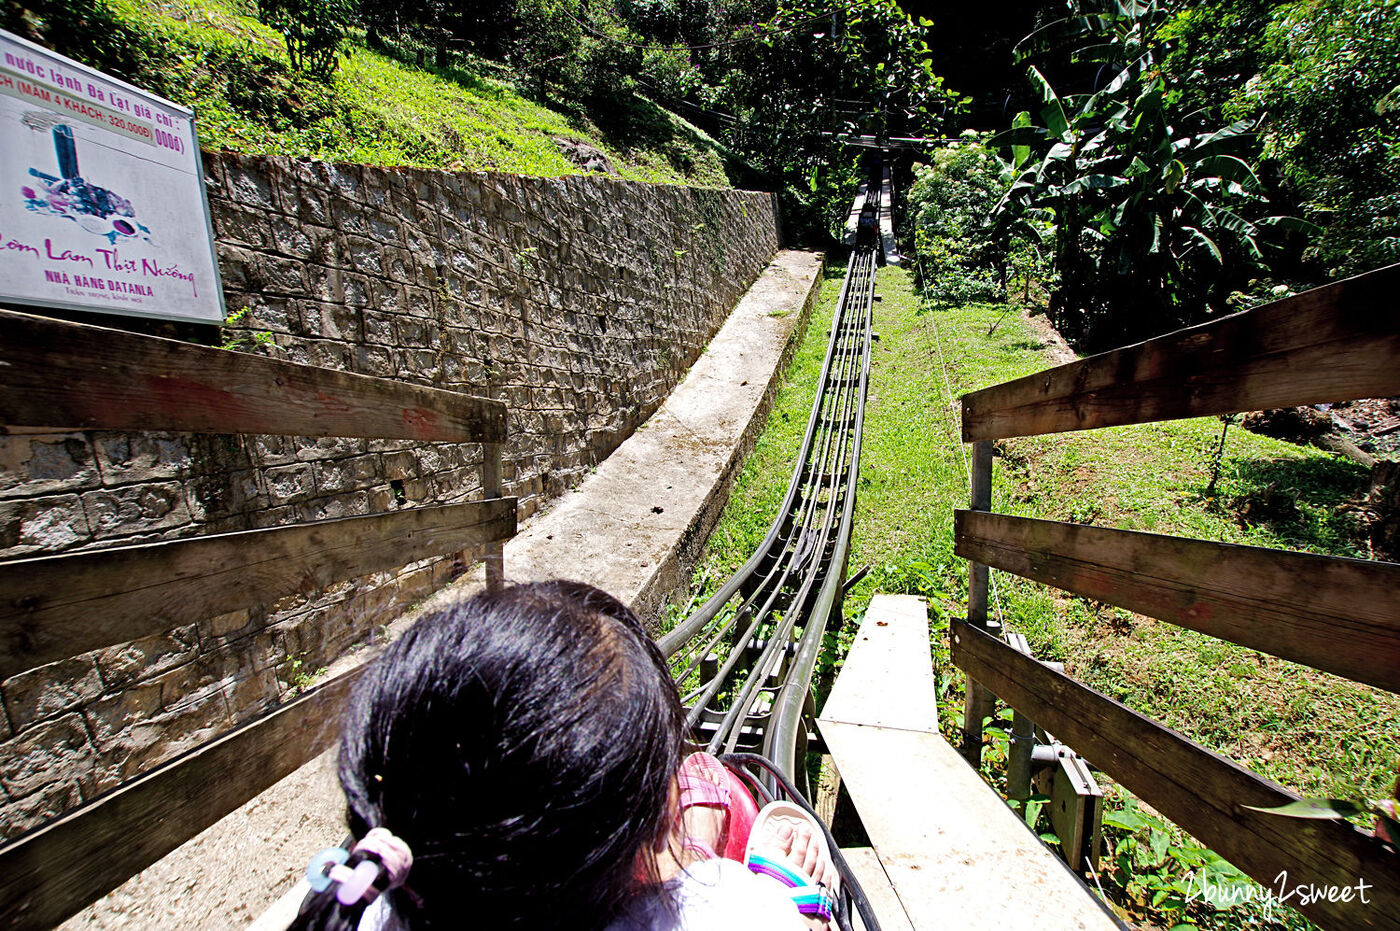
(1336,343)
(57,376)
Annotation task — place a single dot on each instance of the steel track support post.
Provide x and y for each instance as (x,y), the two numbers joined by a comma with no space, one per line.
(1018,761)
(978,702)
(491,488)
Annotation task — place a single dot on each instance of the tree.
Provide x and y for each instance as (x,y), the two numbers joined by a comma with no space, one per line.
(1330,96)
(961,256)
(1322,77)
(811,70)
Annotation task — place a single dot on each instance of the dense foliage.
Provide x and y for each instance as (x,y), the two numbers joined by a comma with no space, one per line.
(1332,90)
(962,257)
(377,108)
(1155,223)
(778,80)
(793,74)
(1323,79)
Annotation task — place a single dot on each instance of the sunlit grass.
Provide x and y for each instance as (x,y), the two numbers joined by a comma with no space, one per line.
(379,110)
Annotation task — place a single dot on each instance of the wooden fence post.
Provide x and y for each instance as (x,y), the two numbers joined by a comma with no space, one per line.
(978,702)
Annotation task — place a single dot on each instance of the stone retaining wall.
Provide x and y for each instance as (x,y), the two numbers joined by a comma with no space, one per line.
(580,302)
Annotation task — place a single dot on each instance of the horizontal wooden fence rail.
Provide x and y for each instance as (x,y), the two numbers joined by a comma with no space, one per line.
(1335,343)
(70,376)
(1199,790)
(65,376)
(53,607)
(58,869)
(1338,615)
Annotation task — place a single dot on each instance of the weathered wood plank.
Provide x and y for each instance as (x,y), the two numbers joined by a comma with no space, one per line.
(1335,343)
(1338,615)
(956,854)
(53,607)
(978,702)
(1199,790)
(55,871)
(70,376)
(887,677)
(870,873)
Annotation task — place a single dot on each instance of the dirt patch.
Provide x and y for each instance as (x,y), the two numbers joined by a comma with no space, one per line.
(1365,431)
(1055,347)
(584,155)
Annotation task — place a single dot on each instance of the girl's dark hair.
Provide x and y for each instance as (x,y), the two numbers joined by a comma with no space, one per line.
(523,742)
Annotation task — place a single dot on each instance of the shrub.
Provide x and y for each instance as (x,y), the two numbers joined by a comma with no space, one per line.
(313,31)
(950,205)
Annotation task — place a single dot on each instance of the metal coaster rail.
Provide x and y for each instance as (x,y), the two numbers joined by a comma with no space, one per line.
(745,658)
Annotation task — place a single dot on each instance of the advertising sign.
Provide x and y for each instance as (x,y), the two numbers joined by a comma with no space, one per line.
(102,204)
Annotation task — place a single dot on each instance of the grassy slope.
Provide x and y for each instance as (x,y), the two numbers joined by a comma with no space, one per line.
(1315,733)
(232,70)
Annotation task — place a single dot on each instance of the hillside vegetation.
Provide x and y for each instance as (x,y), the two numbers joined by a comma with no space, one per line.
(214,56)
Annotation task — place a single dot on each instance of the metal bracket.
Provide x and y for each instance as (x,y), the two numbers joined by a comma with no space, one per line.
(1076,806)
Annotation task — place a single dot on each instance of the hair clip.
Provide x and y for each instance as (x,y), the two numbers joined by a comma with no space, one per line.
(319,869)
(382,852)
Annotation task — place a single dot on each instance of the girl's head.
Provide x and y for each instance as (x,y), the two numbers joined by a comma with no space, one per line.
(523,743)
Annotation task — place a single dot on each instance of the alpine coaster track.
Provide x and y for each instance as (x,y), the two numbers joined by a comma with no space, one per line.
(744,659)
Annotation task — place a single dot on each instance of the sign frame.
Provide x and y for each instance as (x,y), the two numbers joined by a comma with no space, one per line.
(216,312)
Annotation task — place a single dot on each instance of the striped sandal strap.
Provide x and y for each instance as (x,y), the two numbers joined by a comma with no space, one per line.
(810,898)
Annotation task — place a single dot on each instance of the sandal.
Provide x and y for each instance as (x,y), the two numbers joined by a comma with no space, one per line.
(812,898)
(704,780)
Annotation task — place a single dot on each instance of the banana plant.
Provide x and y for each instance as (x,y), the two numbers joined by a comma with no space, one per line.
(1152,223)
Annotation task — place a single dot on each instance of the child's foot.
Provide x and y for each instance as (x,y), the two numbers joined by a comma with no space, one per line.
(788,847)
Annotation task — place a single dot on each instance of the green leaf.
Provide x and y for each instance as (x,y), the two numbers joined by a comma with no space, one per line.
(1219,139)
(1323,808)
(1053,112)
(1171,178)
(1205,242)
(1020,154)
(1230,168)
(1092,183)
(1123,818)
(1033,812)
(1292,225)
(1159,842)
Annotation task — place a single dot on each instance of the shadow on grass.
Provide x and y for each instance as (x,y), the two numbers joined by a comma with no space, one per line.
(638,124)
(481,77)
(1299,501)
(1024,345)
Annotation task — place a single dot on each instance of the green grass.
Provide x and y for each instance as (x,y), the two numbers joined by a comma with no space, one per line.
(1315,733)
(378,110)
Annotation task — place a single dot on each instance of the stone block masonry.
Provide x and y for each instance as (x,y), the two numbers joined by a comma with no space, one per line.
(580,302)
